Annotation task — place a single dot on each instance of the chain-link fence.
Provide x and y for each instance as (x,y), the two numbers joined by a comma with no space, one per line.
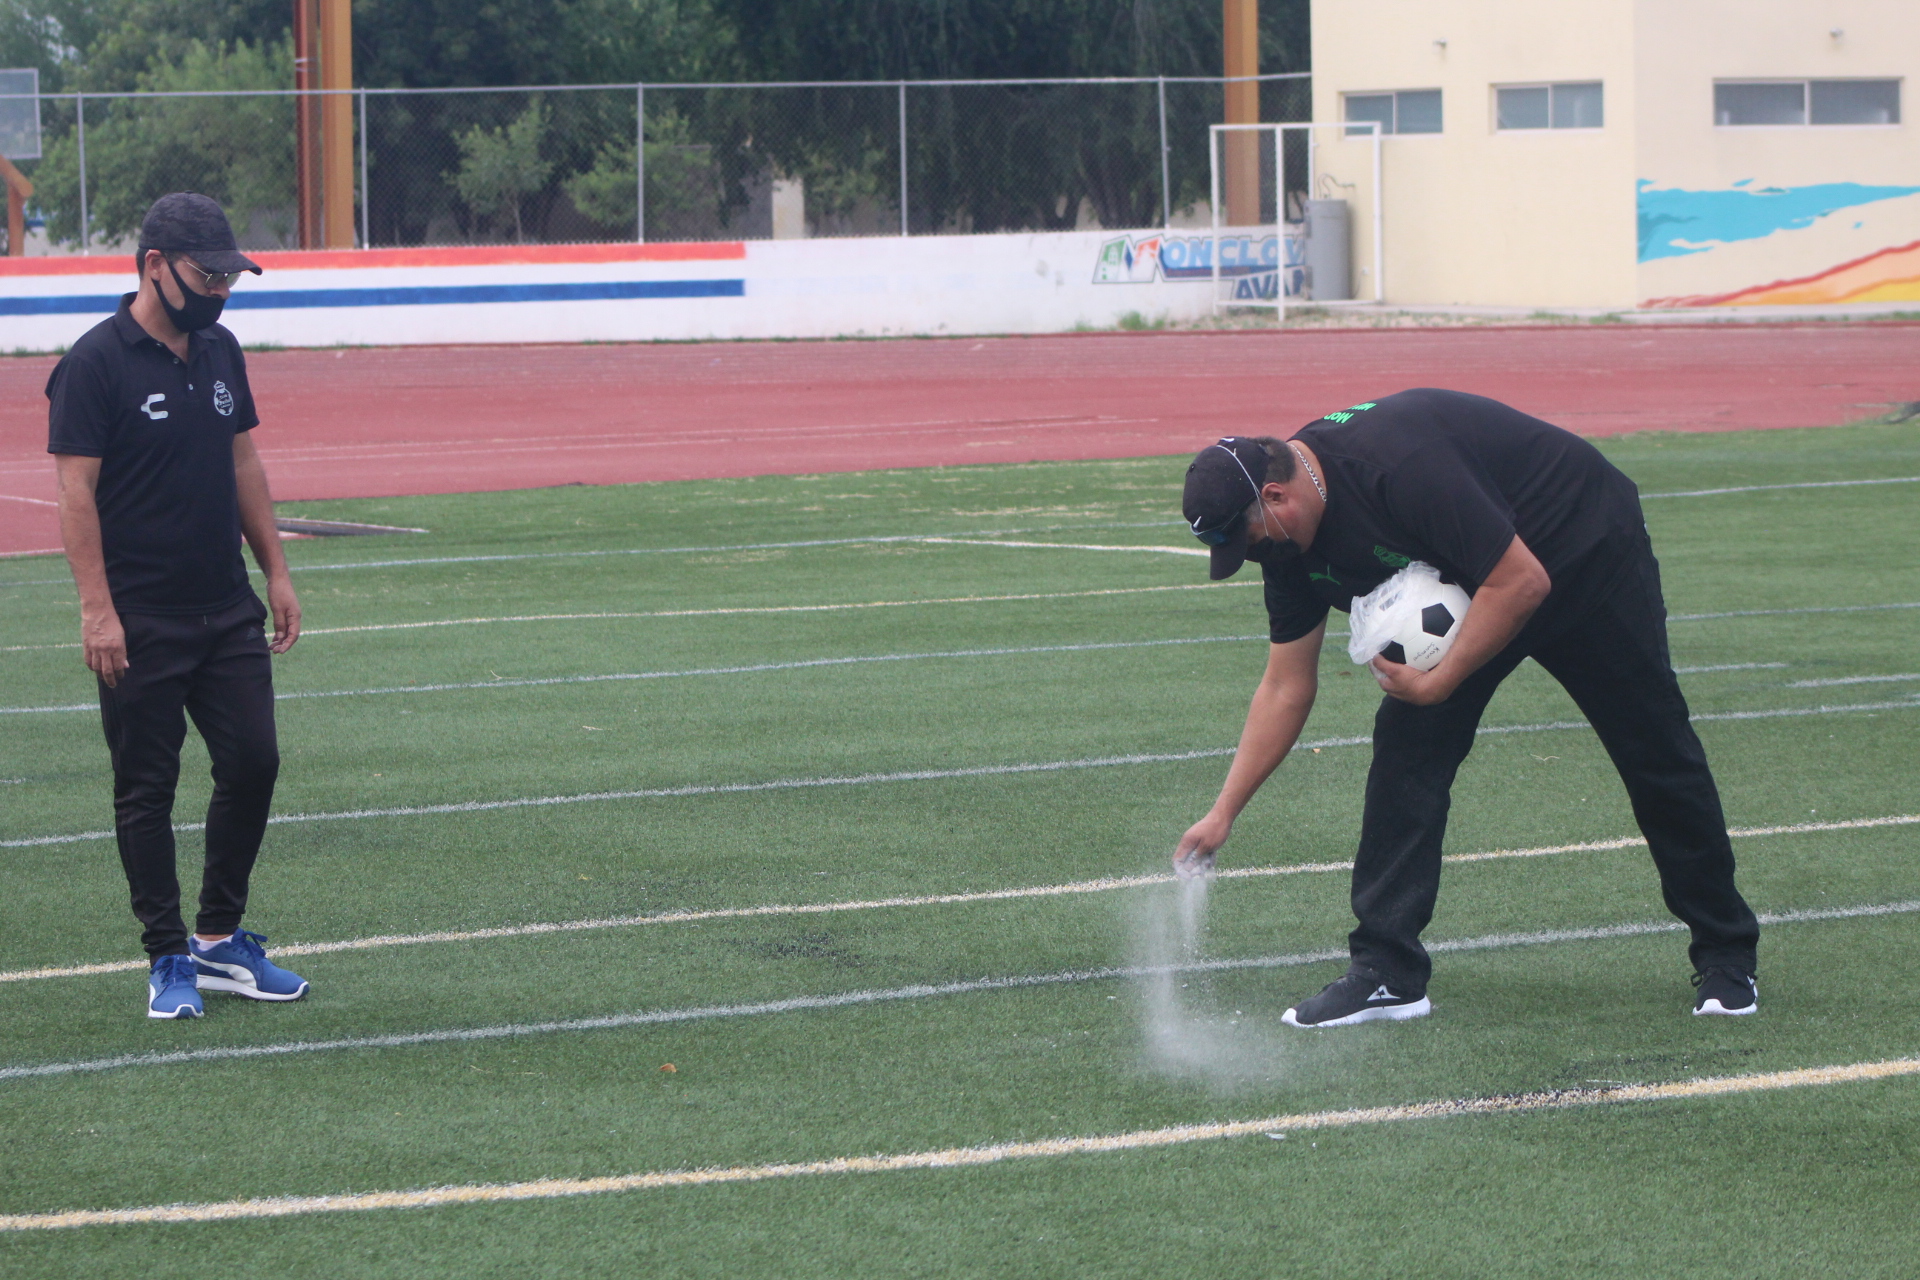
(582,164)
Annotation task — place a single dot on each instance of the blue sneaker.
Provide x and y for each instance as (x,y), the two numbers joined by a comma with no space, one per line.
(171,992)
(241,966)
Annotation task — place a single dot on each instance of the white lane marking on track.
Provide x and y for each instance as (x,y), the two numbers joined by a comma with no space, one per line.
(38,502)
(1839,680)
(749,669)
(963,1157)
(1764,488)
(887,995)
(1103,884)
(912,775)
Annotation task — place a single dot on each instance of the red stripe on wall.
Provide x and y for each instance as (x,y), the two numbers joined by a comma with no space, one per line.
(440,256)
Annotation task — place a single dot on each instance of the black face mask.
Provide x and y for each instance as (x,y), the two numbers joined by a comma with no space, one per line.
(1273,551)
(201,309)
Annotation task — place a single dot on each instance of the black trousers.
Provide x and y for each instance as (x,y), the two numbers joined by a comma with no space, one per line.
(215,668)
(1610,652)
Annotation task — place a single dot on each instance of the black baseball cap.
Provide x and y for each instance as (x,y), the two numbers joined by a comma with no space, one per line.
(1222,482)
(194,224)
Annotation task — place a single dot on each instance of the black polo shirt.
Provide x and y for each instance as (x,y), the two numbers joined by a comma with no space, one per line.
(1450,478)
(163,431)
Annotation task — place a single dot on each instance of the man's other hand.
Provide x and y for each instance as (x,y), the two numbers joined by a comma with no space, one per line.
(1410,684)
(103,644)
(286,613)
(1194,856)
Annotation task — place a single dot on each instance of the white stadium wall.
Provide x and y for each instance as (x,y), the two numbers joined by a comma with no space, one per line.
(1037,283)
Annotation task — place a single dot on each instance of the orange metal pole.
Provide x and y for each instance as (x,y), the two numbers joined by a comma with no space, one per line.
(18,189)
(1242,58)
(306,77)
(336,123)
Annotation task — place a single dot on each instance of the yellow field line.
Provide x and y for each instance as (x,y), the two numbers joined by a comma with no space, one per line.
(957,1157)
(1070,888)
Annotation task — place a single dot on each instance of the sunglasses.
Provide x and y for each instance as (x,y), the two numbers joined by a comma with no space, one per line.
(1231,531)
(214,279)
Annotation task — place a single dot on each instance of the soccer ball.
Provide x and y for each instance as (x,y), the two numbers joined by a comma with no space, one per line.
(1412,618)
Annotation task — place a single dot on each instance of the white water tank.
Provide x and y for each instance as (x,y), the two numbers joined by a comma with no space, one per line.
(1329,251)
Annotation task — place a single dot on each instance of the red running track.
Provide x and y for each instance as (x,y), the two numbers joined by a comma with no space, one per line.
(382,422)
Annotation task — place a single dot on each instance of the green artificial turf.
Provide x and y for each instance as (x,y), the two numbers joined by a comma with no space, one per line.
(1809,1181)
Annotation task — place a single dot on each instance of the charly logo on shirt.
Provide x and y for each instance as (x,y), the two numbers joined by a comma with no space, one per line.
(223,399)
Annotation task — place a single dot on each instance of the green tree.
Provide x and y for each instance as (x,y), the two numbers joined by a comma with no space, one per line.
(684,184)
(500,168)
(237,150)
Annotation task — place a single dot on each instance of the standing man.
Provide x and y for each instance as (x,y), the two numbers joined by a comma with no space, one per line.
(158,483)
(1548,538)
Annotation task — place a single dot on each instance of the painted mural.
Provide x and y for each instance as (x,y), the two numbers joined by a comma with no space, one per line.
(1750,244)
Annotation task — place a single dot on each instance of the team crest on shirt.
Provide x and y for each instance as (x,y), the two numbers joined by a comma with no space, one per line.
(223,399)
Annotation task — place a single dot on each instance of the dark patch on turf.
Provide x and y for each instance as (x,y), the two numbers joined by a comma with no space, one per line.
(1621,1066)
(803,946)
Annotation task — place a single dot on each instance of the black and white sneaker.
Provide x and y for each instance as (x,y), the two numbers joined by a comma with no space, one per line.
(1726,988)
(1354,999)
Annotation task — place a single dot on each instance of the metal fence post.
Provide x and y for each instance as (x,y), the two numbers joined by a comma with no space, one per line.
(80,138)
(366,194)
(903,158)
(640,164)
(1166,185)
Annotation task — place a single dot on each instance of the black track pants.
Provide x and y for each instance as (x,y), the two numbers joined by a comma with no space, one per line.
(1611,655)
(215,668)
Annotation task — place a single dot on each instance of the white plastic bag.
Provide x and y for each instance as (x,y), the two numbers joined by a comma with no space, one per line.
(1391,613)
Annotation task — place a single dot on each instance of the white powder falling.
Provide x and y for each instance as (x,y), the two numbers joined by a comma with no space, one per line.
(1188,1034)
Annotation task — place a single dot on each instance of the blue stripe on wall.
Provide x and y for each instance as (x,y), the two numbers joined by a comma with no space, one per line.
(441,295)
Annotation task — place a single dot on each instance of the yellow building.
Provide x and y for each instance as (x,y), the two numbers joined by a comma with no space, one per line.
(1622,153)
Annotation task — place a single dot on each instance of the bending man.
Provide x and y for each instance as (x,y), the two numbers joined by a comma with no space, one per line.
(1548,538)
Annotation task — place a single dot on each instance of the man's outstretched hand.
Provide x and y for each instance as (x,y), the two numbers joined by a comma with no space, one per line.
(1194,855)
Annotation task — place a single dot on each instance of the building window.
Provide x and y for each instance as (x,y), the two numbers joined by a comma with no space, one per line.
(1747,102)
(1577,105)
(1407,111)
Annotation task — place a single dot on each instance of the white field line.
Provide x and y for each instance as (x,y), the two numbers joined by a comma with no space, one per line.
(1104,884)
(887,995)
(911,775)
(1766,488)
(723,550)
(895,604)
(754,668)
(1776,613)
(779,608)
(1067,546)
(963,1157)
(1839,680)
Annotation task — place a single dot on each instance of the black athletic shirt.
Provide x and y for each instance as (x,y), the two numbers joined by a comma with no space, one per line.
(163,431)
(1449,478)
